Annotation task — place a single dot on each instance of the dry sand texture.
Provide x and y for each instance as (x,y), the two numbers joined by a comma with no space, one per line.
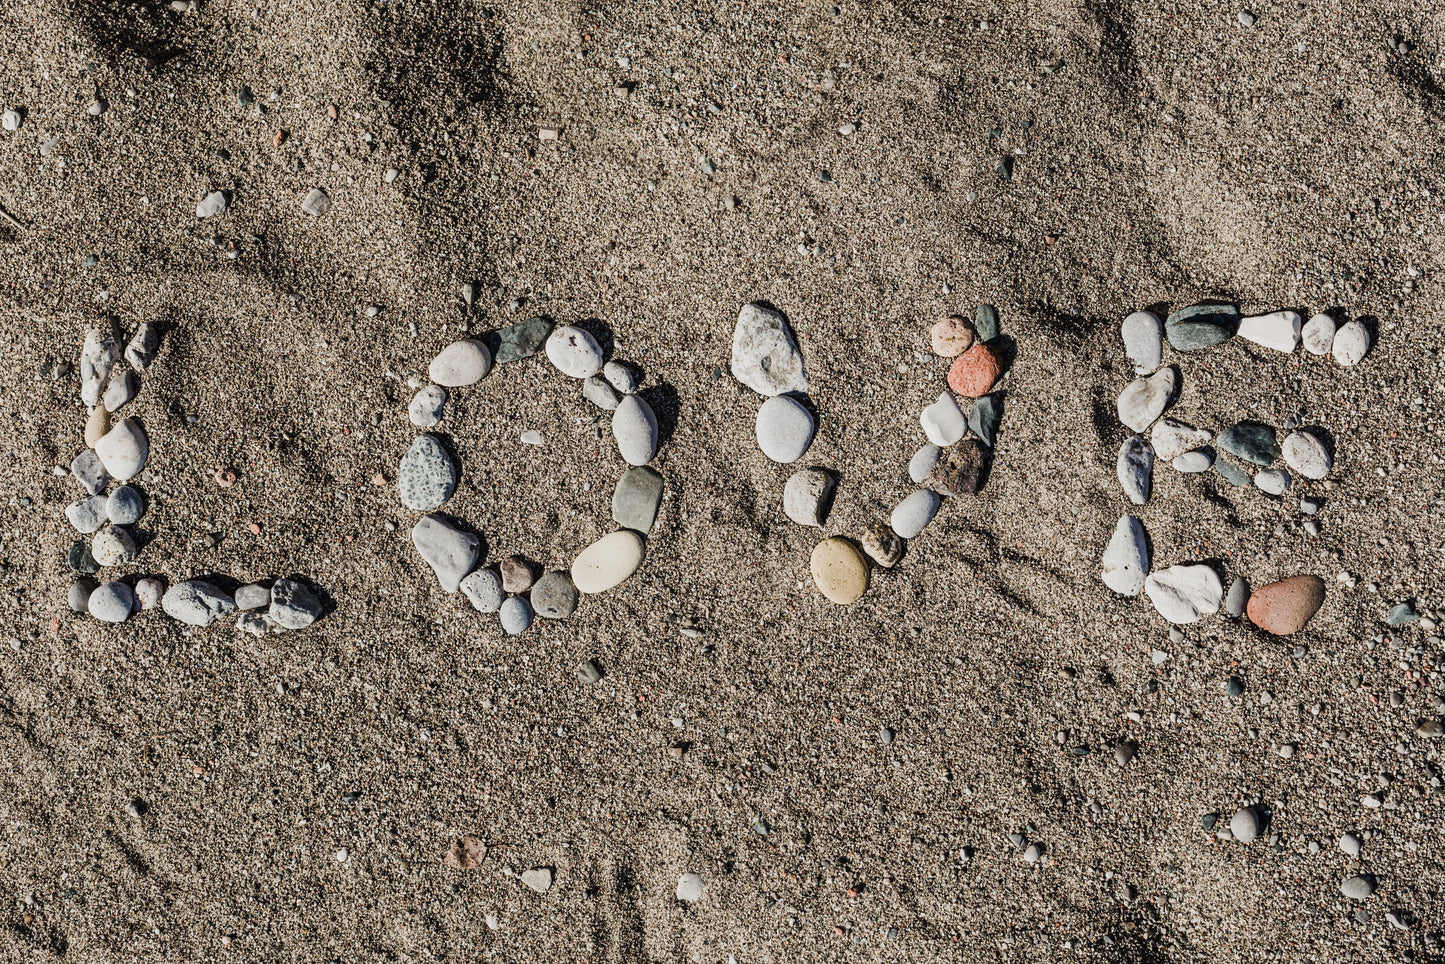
(1156,153)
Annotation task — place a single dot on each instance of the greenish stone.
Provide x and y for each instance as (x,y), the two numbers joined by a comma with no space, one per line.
(1401,615)
(761,827)
(245,97)
(522,339)
(984,416)
(80,559)
(1235,687)
(985,322)
(636,498)
(707,166)
(1207,822)
(1200,326)
(1252,441)
(1231,473)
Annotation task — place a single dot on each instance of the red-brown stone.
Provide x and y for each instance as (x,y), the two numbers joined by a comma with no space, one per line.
(974,372)
(1283,607)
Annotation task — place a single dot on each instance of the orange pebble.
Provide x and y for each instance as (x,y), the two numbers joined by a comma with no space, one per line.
(974,372)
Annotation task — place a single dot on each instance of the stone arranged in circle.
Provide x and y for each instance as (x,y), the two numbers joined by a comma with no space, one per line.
(196,602)
(574,352)
(765,355)
(1283,608)
(962,470)
(148,592)
(1272,481)
(1351,343)
(808,495)
(78,598)
(922,463)
(1144,399)
(125,506)
(113,546)
(515,615)
(1252,441)
(120,389)
(1279,330)
(123,450)
(1237,598)
(1307,454)
(426,406)
(1318,334)
(428,476)
(522,340)
(975,371)
(449,551)
(1194,462)
(882,545)
(619,375)
(599,392)
(1231,473)
(483,589)
(1143,338)
(984,417)
(1135,469)
(79,559)
(636,499)
(943,422)
(1185,593)
(87,469)
(840,570)
(252,596)
(461,363)
(1126,558)
(293,604)
(914,513)
(784,429)
(517,574)
(111,602)
(1201,326)
(951,337)
(985,322)
(608,562)
(98,357)
(634,426)
(87,515)
(1171,439)
(554,596)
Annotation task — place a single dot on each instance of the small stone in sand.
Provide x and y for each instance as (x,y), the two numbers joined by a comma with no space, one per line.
(1318,334)
(1144,399)
(1272,481)
(1201,326)
(765,355)
(975,371)
(521,340)
(943,422)
(1143,338)
(1307,454)
(87,515)
(465,853)
(316,202)
(148,593)
(1279,330)
(461,363)
(1283,608)
(574,352)
(1252,441)
(113,546)
(87,469)
(951,337)
(483,589)
(211,205)
(807,496)
(634,428)
(293,604)
(914,513)
(922,463)
(1126,558)
(123,450)
(1352,342)
(784,429)
(689,888)
(1135,469)
(517,574)
(1358,887)
(608,562)
(636,499)
(553,596)
(589,672)
(78,598)
(1244,825)
(515,615)
(538,878)
(112,602)
(962,470)
(840,571)
(1184,593)
(596,390)
(120,389)
(125,506)
(427,406)
(882,545)
(252,596)
(197,603)
(428,476)
(451,552)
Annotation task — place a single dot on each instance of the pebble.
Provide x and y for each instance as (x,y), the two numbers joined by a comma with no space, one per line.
(974,372)
(1309,505)
(252,596)
(574,352)
(515,615)
(636,499)
(1430,729)
(461,363)
(985,322)
(1401,614)
(1145,399)
(984,417)
(1126,558)
(840,570)
(538,878)
(78,557)
(1244,825)
(689,888)
(10,120)
(1252,441)
(807,496)
(143,347)
(96,425)
(608,562)
(962,470)
(1231,473)
(111,602)
(119,390)
(765,355)
(886,735)
(951,337)
(1306,453)
(449,551)
(1272,481)
(1201,326)
(914,513)
(531,438)
(1237,598)
(516,574)
(1033,853)
(123,450)
(1171,438)
(197,603)
(1143,337)
(428,476)
(589,672)
(634,427)
(1135,469)
(1351,844)
(211,205)
(87,515)
(89,472)
(97,358)
(1283,608)
(923,462)
(483,589)
(1184,593)
(943,422)
(620,376)
(882,545)
(78,598)
(1194,462)
(427,406)
(1279,330)
(1352,341)
(554,596)
(1358,887)
(293,604)
(597,391)
(522,340)
(1319,334)
(148,593)
(316,202)
(112,546)
(784,429)
(125,506)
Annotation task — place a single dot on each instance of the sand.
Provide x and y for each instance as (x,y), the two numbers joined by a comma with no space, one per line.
(1154,155)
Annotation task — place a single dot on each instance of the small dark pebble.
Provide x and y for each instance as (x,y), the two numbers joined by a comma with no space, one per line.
(1235,686)
(80,559)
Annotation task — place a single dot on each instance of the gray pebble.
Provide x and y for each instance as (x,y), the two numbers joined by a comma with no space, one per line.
(784,429)
(1143,336)
(293,604)
(596,390)
(316,202)
(1358,887)
(112,602)
(922,463)
(1145,399)
(764,354)
(554,596)
(636,499)
(1124,752)
(634,426)
(451,552)
(538,878)
(1272,481)
(1231,473)
(125,506)
(589,672)
(1194,462)
(87,515)
(1244,825)
(1237,597)
(211,205)
(79,595)
(807,496)
(252,596)
(1309,505)
(914,513)
(516,615)
(1351,843)
(483,589)
(112,546)
(1135,469)
(428,476)
(886,735)
(89,472)
(620,376)
(427,406)
(197,603)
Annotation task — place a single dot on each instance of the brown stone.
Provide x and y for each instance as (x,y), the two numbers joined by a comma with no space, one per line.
(516,574)
(1282,608)
(974,372)
(951,337)
(882,545)
(466,853)
(962,470)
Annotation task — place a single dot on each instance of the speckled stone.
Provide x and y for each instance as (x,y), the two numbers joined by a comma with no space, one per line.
(1307,454)
(113,546)
(1318,334)
(962,470)
(427,406)
(807,496)
(765,355)
(1351,344)
(1272,481)
(483,589)
(951,336)
(428,476)
(87,515)
(293,604)
(1171,439)
(1143,338)
(574,352)
(975,371)
(197,603)
(554,596)
(1252,441)
(86,469)
(882,545)
(522,339)
(125,506)
(1283,608)
(840,570)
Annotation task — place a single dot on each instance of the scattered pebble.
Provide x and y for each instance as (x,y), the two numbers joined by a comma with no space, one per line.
(316,202)
(1352,341)
(148,593)
(1232,473)
(427,406)
(515,615)
(943,422)
(962,470)
(461,363)
(11,120)
(914,513)
(689,888)
(252,596)
(1401,614)
(466,853)
(1307,454)
(483,589)
(1171,439)
(784,429)
(1272,481)
(1351,843)
(211,205)
(112,602)
(597,391)
(1145,399)
(1184,593)
(1135,469)
(79,559)
(120,389)
(112,546)
(1358,887)
(574,352)
(1201,326)
(807,496)
(1252,441)
(1194,462)
(78,598)
(98,357)
(882,545)
(634,427)
(840,571)
(293,604)
(620,376)
(1237,598)
(607,562)
(538,878)
(428,476)
(765,355)
(449,551)
(553,596)
(951,337)
(985,322)
(1143,337)
(96,425)
(1126,558)
(87,515)
(1245,825)
(522,340)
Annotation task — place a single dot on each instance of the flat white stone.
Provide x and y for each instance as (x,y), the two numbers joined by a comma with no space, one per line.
(538,878)
(1272,481)
(1318,334)
(1306,454)
(608,562)
(123,450)
(922,463)
(784,429)
(806,496)
(1171,439)
(1351,343)
(1143,337)
(120,389)
(1194,462)
(765,356)
(464,362)
(689,888)
(316,202)
(914,513)
(1135,469)
(943,421)
(1184,594)
(1145,399)
(1126,558)
(574,352)
(634,427)
(600,392)
(211,205)
(1279,330)
(449,551)
(620,377)
(427,406)
(97,357)
(197,603)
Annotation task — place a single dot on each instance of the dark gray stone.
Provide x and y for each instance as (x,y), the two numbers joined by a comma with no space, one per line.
(1252,441)
(79,595)
(985,323)
(1201,326)
(293,604)
(522,340)
(1231,473)
(984,417)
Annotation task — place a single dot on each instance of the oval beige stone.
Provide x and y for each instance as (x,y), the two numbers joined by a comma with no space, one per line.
(461,363)
(97,425)
(608,562)
(840,570)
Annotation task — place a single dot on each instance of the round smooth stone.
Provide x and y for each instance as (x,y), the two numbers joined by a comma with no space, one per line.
(516,615)
(597,391)
(1192,463)
(1200,326)
(1244,825)
(428,476)
(87,515)
(1144,399)
(125,506)
(451,552)
(1237,598)
(293,604)
(974,372)
(112,602)
(784,429)
(608,562)
(914,513)
(1318,334)
(1306,454)
(123,450)
(112,546)
(922,463)
(196,603)
(1351,343)
(252,596)
(1143,337)
(634,426)
(483,589)
(1272,481)
(517,575)
(1358,887)
(79,595)
(574,352)
(461,363)
(554,596)
(951,336)
(840,570)
(1283,608)
(80,559)
(96,425)
(148,593)
(427,406)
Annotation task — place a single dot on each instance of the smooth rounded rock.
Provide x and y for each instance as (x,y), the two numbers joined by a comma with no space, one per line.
(914,513)
(1351,844)
(554,596)
(196,602)
(922,463)
(637,498)
(119,390)
(1318,334)
(483,589)
(1135,469)
(111,602)
(450,551)
(517,574)
(316,202)
(1352,342)
(608,562)
(96,425)
(951,336)
(428,476)
(112,546)
(1144,399)
(1307,454)
(840,570)
(125,506)
(1244,825)
(78,558)
(1126,558)
(1185,593)
(620,377)
(1192,463)
(252,596)
(943,421)
(123,450)
(574,352)
(78,598)
(293,604)
(1358,887)
(634,427)
(464,362)
(765,355)
(211,205)
(1283,608)
(87,515)
(1279,330)
(784,429)
(807,496)
(1272,481)
(597,391)
(427,406)
(515,615)
(1201,326)
(87,469)
(1143,337)
(976,371)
